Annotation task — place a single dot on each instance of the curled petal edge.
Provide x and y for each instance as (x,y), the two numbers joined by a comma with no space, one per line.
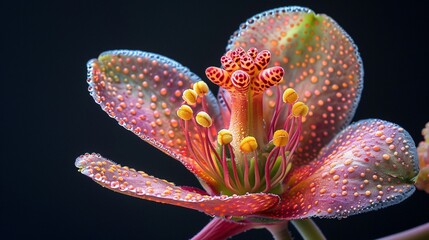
(138,184)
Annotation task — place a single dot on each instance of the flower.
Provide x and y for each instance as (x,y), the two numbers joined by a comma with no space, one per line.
(273,146)
(422,182)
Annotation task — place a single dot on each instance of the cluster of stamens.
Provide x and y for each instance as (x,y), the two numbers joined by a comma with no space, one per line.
(247,157)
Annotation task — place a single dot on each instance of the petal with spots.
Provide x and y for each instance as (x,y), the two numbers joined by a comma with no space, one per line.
(141,185)
(370,165)
(143,91)
(321,63)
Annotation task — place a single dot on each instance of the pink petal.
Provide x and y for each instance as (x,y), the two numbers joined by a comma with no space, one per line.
(321,63)
(139,184)
(142,91)
(370,165)
(422,182)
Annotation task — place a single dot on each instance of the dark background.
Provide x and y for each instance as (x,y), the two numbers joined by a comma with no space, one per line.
(48,117)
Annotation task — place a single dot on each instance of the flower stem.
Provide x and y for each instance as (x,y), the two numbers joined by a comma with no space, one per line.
(416,233)
(280,231)
(220,229)
(308,229)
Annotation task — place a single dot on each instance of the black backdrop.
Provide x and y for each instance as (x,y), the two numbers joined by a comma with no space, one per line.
(48,118)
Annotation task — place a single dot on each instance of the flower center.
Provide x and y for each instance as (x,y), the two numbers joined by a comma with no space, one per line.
(249,156)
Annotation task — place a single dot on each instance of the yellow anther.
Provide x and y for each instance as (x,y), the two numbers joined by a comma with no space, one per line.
(248,144)
(290,95)
(280,138)
(224,137)
(185,112)
(201,88)
(299,109)
(203,119)
(190,96)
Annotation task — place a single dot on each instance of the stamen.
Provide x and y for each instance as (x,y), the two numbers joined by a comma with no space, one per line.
(281,174)
(299,109)
(248,144)
(226,177)
(201,88)
(207,153)
(281,138)
(290,96)
(185,112)
(246,172)
(190,96)
(224,137)
(269,165)
(256,172)
(196,152)
(202,156)
(276,114)
(286,139)
(234,168)
(203,119)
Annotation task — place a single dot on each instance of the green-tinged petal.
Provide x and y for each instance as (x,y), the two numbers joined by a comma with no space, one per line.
(321,63)
(422,182)
(143,91)
(370,165)
(139,184)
